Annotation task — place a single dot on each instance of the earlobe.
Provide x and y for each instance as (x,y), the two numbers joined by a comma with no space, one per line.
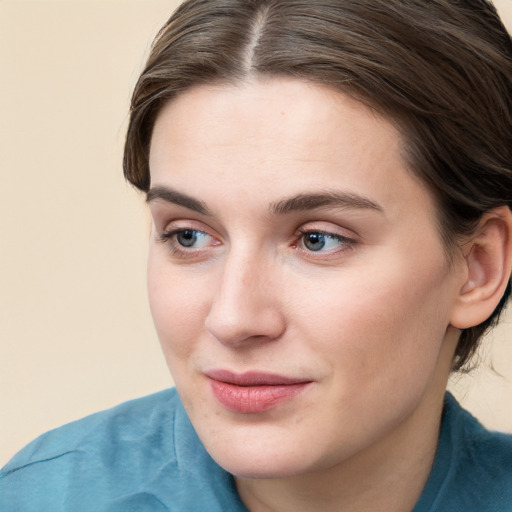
(488,264)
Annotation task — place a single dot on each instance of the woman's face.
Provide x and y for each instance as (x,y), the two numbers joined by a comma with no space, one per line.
(298,283)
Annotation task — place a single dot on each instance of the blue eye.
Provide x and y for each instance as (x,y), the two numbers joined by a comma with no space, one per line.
(182,239)
(192,238)
(186,238)
(317,241)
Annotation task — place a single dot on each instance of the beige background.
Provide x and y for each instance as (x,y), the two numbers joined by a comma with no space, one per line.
(75,329)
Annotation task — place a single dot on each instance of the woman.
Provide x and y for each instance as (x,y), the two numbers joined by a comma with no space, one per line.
(330,188)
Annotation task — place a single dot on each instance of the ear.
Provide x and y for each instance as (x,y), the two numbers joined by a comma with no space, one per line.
(488,262)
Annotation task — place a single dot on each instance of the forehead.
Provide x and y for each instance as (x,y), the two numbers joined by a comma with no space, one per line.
(276,136)
(268,108)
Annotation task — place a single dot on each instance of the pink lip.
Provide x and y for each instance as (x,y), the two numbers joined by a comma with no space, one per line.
(253,392)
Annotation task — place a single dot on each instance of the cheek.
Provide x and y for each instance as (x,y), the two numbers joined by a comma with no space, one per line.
(385,319)
(178,309)
(381,337)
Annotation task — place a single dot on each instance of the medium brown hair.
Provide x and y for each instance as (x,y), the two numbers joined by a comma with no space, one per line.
(441,70)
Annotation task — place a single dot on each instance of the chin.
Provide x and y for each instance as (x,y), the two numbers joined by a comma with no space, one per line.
(265,452)
(253,467)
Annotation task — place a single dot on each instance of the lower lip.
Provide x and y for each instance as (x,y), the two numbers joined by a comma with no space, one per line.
(254,399)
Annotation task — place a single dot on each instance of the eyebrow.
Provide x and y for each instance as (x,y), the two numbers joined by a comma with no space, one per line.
(173,196)
(297,203)
(304,202)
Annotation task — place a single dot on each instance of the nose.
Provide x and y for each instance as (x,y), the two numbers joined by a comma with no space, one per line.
(245,305)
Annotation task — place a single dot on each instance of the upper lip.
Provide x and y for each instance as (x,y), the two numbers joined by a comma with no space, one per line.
(254,378)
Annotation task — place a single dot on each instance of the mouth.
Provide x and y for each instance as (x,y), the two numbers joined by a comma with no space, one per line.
(253,392)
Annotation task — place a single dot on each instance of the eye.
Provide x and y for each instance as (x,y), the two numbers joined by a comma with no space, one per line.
(192,238)
(182,240)
(319,241)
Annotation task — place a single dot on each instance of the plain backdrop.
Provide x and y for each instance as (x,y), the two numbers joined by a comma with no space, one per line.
(75,330)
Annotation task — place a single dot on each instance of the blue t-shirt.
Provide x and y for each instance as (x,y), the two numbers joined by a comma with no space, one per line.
(144,455)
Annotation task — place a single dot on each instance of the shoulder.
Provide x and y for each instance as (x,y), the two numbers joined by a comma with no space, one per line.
(484,467)
(473,467)
(122,423)
(141,455)
(484,449)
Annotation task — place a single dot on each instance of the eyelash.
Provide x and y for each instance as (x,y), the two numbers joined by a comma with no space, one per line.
(169,238)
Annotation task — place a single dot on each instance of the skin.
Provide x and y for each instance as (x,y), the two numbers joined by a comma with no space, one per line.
(366,319)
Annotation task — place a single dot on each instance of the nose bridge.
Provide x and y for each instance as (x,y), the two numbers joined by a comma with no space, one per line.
(245,304)
(245,274)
